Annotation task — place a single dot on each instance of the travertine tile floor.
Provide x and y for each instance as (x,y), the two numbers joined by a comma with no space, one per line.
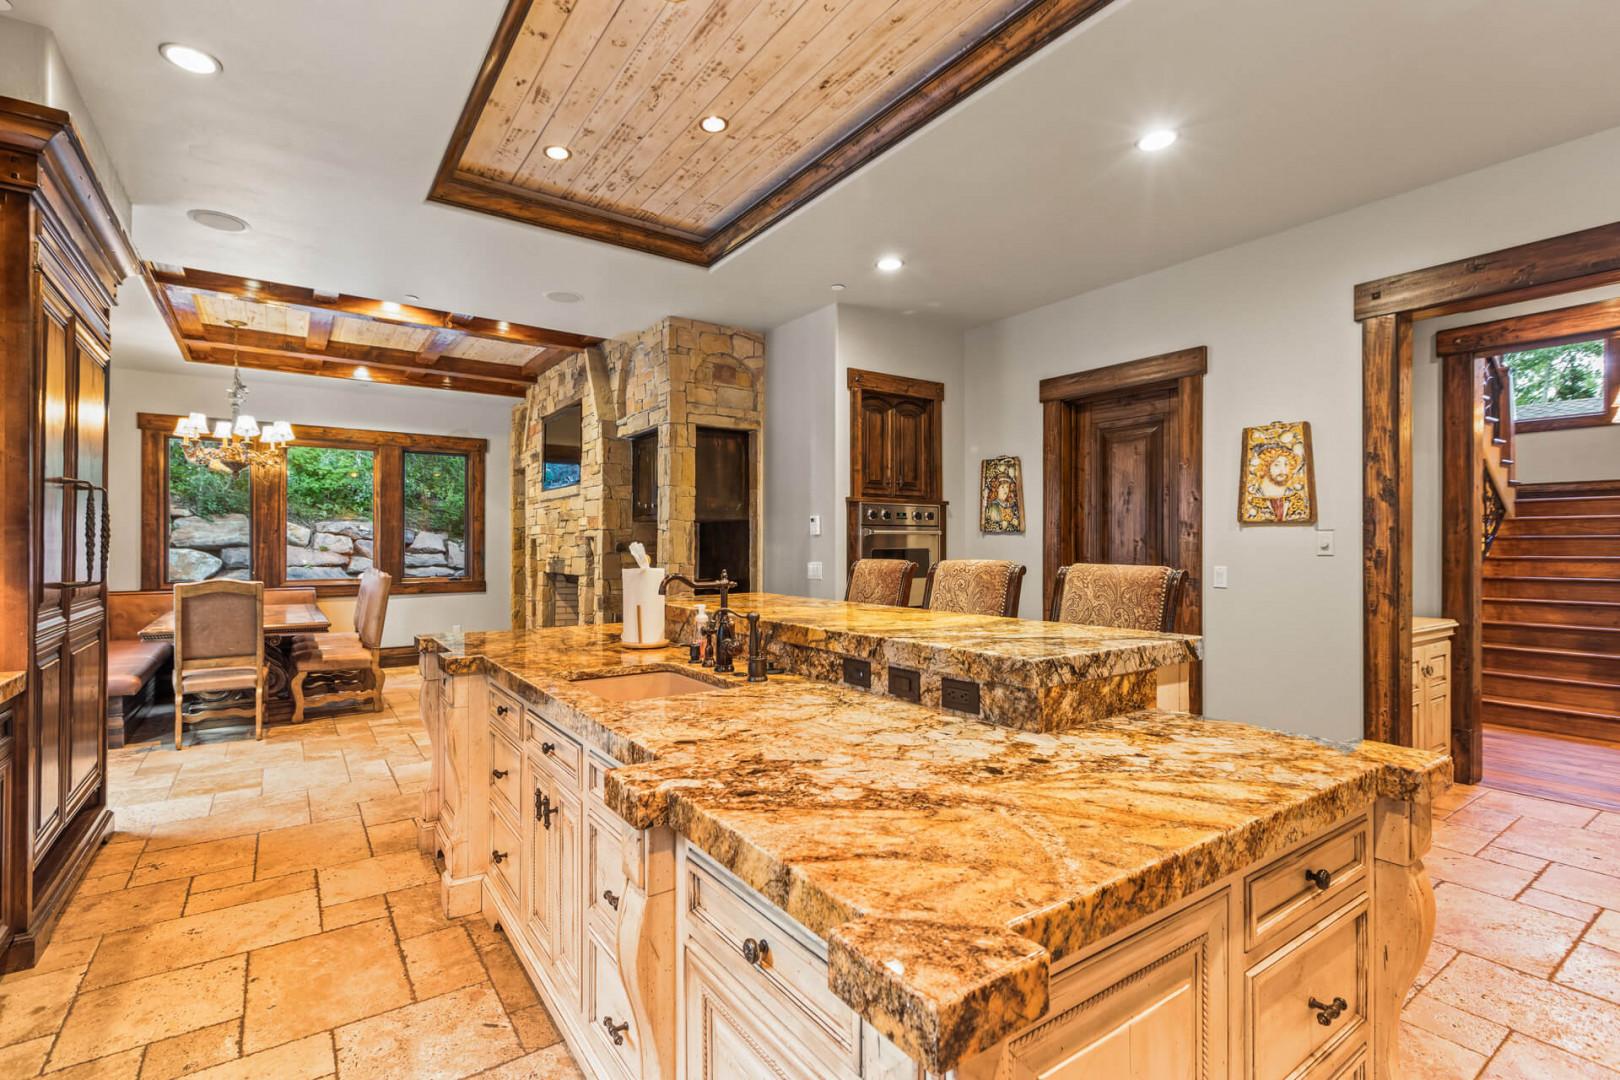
(262,912)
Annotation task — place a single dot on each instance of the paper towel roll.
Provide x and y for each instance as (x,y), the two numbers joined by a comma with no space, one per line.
(643,607)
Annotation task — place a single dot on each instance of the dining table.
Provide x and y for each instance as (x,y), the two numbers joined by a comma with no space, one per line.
(282,623)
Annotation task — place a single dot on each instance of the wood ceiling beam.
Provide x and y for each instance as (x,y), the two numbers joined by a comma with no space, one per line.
(263,343)
(207,352)
(544,360)
(320,330)
(436,346)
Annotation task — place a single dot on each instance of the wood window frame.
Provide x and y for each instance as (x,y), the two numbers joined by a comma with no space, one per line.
(1061,398)
(1387,308)
(268,516)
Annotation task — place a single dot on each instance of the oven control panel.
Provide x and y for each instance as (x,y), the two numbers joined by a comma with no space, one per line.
(909,515)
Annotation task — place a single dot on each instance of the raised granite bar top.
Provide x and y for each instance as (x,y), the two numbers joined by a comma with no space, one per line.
(946,862)
(1021,652)
(12,683)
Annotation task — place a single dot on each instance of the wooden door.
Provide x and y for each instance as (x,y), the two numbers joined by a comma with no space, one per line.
(1127,479)
(87,657)
(876,460)
(910,447)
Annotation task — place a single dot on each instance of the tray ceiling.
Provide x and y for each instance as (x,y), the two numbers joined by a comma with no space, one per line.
(809,90)
(311,332)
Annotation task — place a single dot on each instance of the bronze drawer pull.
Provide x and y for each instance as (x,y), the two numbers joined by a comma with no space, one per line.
(611,898)
(1322,879)
(548,748)
(499,774)
(543,810)
(1327,1012)
(615,1031)
(498,856)
(502,710)
(757,953)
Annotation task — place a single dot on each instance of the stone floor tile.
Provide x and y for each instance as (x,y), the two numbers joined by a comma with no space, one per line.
(247,892)
(1578,884)
(392,836)
(343,800)
(1518,935)
(552,1063)
(1577,847)
(511,981)
(1523,1058)
(1605,931)
(120,1066)
(391,808)
(1593,969)
(307,847)
(1556,813)
(60,953)
(1434,1058)
(1563,905)
(116,857)
(337,916)
(24,1058)
(1454,1025)
(303,775)
(442,961)
(245,818)
(1476,873)
(456,1034)
(1477,815)
(37,1005)
(131,1014)
(375,876)
(106,883)
(169,1058)
(316,983)
(535,1028)
(183,942)
(1586,1026)
(1456,797)
(185,862)
(233,780)
(417,910)
(147,816)
(92,916)
(1460,838)
(303,1059)
(1440,955)
(1608,821)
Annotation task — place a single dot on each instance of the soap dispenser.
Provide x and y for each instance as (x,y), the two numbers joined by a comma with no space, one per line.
(698,650)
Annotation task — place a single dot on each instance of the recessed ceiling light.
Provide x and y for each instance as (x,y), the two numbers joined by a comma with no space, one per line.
(713,124)
(838,288)
(189,59)
(217,219)
(1157,139)
(563,297)
(390,306)
(559,153)
(413,298)
(890,263)
(250,284)
(362,373)
(502,326)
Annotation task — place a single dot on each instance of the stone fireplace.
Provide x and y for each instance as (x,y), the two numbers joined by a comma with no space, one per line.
(647,401)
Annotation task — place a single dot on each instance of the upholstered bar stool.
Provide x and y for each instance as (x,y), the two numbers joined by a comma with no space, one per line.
(881,581)
(218,645)
(1128,597)
(347,666)
(974,587)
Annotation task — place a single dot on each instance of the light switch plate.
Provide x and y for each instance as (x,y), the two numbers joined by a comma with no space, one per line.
(1218,579)
(815,524)
(1324,542)
(814,571)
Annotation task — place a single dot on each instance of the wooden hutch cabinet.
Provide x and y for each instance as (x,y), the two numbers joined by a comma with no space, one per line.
(895,434)
(62,255)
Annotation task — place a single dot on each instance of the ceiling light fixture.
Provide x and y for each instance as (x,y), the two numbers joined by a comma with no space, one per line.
(714,125)
(559,153)
(362,373)
(250,284)
(217,219)
(839,287)
(1156,140)
(189,59)
(890,263)
(502,326)
(240,442)
(562,297)
(390,306)
(413,298)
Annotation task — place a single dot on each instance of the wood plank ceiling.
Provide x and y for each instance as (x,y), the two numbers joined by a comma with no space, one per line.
(311,332)
(809,91)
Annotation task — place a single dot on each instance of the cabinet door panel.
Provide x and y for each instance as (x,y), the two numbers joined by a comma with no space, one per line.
(86,713)
(57,330)
(46,748)
(567,832)
(877,476)
(729,1035)
(911,447)
(539,890)
(90,458)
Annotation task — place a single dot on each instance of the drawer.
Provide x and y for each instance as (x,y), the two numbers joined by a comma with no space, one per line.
(503,854)
(558,749)
(505,769)
(607,1010)
(788,965)
(605,856)
(1288,1036)
(506,712)
(1304,883)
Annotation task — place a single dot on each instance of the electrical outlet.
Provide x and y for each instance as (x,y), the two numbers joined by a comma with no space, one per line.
(815,524)
(1218,579)
(1324,542)
(814,571)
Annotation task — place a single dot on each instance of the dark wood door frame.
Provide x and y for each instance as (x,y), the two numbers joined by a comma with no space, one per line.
(1386,309)
(1061,398)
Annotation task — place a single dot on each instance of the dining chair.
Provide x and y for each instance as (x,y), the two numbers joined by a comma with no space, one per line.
(881,581)
(347,665)
(1109,594)
(219,646)
(974,586)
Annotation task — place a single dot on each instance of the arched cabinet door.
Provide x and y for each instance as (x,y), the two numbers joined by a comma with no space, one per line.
(910,447)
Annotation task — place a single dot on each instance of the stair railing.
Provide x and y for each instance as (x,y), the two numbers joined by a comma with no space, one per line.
(1497,449)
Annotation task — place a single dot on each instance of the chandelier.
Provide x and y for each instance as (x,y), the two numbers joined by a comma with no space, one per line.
(237,443)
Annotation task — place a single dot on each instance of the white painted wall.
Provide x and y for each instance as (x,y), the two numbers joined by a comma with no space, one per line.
(1284,641)
(302,399)
(1548,457)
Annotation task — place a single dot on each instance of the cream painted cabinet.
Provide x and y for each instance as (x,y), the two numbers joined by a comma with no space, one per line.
(551,888)
(728,1035)
(1431,683)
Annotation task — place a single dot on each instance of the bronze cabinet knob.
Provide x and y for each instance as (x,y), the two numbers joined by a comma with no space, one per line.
(615,1031)
(1322,879)
(498,856)
(1327,1012)
(502,710)
(499,774)
(756,952)
(548,748)
(612,898)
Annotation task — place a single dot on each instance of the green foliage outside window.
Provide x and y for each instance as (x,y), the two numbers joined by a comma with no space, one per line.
(326,484)
(1557,373)
(203,492)
(436,494)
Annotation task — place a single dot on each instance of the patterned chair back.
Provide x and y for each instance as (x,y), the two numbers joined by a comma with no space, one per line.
(974,586)
(881,581)
(1108,594)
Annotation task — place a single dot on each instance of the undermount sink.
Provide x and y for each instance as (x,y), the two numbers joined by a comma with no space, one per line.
(643,685)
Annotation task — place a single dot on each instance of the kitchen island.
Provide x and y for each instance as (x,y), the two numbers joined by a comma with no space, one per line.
(713,878)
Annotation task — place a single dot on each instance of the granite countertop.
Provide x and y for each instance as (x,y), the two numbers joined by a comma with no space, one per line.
(946,862)
(12,683)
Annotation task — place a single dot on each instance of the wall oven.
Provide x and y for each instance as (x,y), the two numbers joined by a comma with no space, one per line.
(913,531)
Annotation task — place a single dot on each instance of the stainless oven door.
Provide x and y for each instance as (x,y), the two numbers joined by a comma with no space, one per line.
(920,546)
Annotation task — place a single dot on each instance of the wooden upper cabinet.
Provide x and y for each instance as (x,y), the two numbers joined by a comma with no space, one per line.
(895,431)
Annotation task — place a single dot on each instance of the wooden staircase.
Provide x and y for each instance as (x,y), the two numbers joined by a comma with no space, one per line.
(1551,611)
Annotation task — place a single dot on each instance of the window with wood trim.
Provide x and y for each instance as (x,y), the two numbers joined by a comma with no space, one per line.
(1565,384)
(339,501)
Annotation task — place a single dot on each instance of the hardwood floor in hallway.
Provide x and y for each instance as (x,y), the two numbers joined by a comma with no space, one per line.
(262,911)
